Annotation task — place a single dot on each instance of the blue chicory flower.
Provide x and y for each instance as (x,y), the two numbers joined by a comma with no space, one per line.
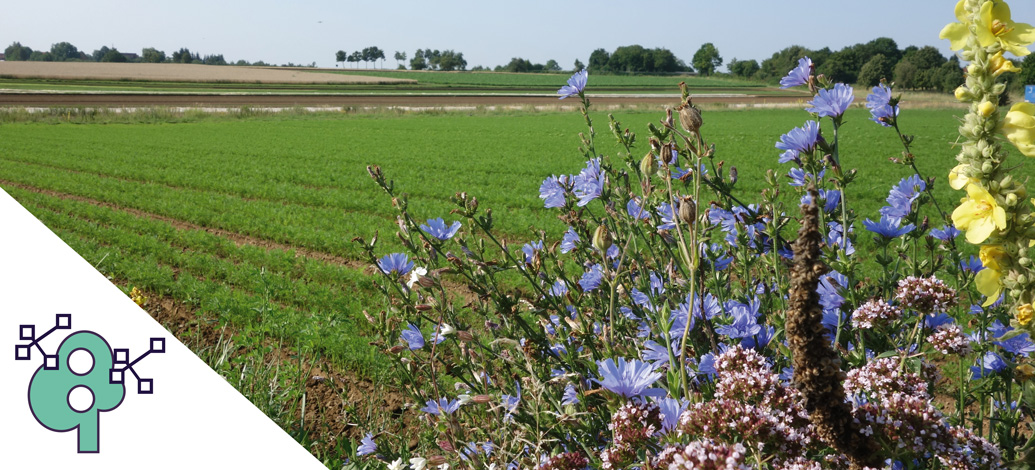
(901,197)
(628,378)
(668,216)
(570,396)
(592,278)
(946,233)
(797,141)
(798,75)
(887,227)
(589,183)
(511,402)
(442,406)
(552,191)
(635,210)
(973,265)
(576,85)
(398,263)
(570,240)
(559,289)
(530,250)
(414,339)
(991,363)
(831,103)
(671,410)
(438,229)
(879,104)
(367,445)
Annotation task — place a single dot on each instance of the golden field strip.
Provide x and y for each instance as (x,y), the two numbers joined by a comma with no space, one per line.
(182,73)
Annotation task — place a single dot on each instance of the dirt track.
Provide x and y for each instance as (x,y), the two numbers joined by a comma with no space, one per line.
(129,100)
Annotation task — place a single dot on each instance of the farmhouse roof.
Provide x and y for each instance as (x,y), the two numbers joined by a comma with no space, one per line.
(130,55)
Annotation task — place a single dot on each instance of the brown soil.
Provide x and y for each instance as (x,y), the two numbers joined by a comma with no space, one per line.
(345,101)
(180,73)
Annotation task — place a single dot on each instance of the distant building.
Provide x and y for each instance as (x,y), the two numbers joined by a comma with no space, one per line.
(2,57)
(131,57)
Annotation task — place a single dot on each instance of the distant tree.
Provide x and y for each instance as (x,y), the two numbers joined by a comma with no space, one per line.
(356,57)
(340,56)
(841,66)
(216,59)
(877,68)
(63,51)
(707,59)
(629,59)
(16,51)
(579,65)
(518,65)
(743,68)
(449,61)
(1027,74)
(241,62)
(599,61)
(905,74)
(432,56)
(41,56)
(378,54)
(185,56)
(113,55)
(418,62)
(949,77)
(882,46)
(400,57)
(98,54)
(664,61)
(552,66)
(152,55)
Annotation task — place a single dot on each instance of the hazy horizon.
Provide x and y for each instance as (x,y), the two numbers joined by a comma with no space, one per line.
(487,33)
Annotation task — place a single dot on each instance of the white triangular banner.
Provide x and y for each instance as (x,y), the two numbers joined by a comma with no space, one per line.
(191,419)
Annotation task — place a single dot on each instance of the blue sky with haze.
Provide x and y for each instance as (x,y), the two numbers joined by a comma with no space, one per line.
(489,33)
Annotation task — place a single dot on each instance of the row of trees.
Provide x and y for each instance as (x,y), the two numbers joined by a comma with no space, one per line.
(865,64)
(368,54)
(64,52)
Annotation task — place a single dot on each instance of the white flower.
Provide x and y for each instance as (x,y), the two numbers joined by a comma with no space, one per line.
(464,399)
(418,463)
(447,329)
(397,464)
(415,276)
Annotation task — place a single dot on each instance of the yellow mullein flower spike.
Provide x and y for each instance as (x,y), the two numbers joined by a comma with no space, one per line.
(993,24)
(958,178)
(1019,127)
(957,33)
(993,256)
(986,108)
(989,283)
(1000,65)
(978,214)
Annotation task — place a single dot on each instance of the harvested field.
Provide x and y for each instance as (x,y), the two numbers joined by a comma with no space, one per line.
(180,73)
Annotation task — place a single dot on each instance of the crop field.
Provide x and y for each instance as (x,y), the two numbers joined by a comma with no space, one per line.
(240,229)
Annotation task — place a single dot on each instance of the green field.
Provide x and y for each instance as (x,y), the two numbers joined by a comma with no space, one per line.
(551,80)
(135,198)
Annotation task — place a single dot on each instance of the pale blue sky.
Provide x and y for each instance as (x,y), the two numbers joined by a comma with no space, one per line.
(488,32)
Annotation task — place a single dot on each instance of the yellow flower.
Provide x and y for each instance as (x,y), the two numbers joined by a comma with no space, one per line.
(993,24)
(1019,127)
(958,178)
(999,65)
(993,257)
(957,33)
(986,108)
(989,283)
(978,214)
(1024,314)
(1024,372)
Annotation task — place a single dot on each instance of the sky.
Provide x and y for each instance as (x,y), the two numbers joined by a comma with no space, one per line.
(487,32)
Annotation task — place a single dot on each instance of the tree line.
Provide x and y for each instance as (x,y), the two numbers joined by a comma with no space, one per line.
(66,52)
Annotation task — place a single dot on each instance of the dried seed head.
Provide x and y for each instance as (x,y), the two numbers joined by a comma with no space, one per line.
(687,210)
(690,116)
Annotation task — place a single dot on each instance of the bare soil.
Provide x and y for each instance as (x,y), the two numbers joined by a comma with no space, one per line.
(180,73)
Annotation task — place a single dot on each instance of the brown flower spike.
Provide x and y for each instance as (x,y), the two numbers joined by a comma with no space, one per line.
(817,367)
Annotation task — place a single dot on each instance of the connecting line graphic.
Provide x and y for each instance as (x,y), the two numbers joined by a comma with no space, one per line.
(118,375)
(23,352)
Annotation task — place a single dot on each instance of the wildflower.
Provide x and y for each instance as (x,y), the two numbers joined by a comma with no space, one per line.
(985,109)
(667,215)
(592,278)
(531,250)
(442,406)
(798,140)
(971,264)
(1024,314)
(569,241)
(367,445)
(1000,65)
(632,426)
(901,197)
(949,339)
(511,402)
(552,191)
(798,75)
(875,313)
(416,275)
(926,295)
(992,25)
(991,363)
(628,378)
(398,263)
(671,410)
(576,85)
(397,464)
(414,339)
(832,103)
(879,104)
(635,210)
(946,233)
(589,183)
(418,463)
(978,214)
(437,228)
(559,288)
(888,227)
(137,296)
(958,178)
(565,461)
(1019,127)
(570,396)
(745,321)
(1019,344)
